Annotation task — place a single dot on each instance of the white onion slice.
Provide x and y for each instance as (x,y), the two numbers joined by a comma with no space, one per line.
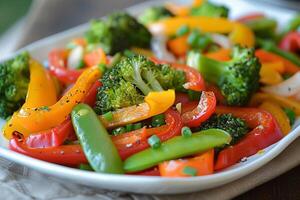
(159,48)
(287,88)
(75,57)
(221,40)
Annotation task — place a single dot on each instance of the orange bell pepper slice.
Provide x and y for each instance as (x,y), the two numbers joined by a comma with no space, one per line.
(178,10)
(43,118)
(95,57)
(41,92)
(269,76)
(276,65)
(155,103)
(258,98)
(238,33)
(221,55)
(203,164)
(265,56)
(178,46)
(279,114)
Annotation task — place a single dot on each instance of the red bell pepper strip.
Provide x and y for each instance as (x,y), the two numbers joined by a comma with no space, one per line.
(194,78)
(251,16)
(265,132)
(194,116)
(57,136)
(181,98)
(135,141)
(148,172)
(291,42)
(69,155)
(58,68)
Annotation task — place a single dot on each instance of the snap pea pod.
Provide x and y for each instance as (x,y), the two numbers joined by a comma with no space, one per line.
(177,147)
(95,141)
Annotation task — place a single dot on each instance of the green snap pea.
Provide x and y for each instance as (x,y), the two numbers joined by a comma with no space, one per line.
(96,143)
(177,147)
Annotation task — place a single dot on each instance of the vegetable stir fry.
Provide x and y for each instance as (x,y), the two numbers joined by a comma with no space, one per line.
(178,91)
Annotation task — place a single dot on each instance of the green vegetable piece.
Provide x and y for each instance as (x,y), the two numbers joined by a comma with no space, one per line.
(291,115)
(190,171)
(154,14)
(137,126)
(186,131)
(102,67)
(86,167)
(108,116)
(158,120)
(119,130)
(294,24)
(177,147)
(129,127)
(183,30)
(198,40)
(96,143)
(154,141)
(237,79)
(263,27)
(194,95)
(210,10)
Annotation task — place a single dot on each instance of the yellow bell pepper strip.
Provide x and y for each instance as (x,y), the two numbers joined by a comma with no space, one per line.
(155,103)
(269,76)
(258,98)
(279,114)
(178,10)
(197,3)
(277,66)
(40,81)
(238,33)
(43,118)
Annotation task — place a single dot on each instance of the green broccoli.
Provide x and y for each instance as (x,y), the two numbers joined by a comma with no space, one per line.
(236,127)
(237,79)
(14,80)
(154,14)
(118,32)
(127,82)
(210,10)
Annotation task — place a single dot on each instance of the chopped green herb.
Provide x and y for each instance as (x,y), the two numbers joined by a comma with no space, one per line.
(46,108)
(198,40)
(184,29)
(190,171)
(186,131)
(80,65)
(154,142)
(102,67)
(158,120)
(129,127)
(194,95)
(291,115)
(137,126)
(118,130)
(108,116)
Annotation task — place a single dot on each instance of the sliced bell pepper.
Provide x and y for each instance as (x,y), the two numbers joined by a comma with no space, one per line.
(178,10)
(277,66)
(238,33)
(95,57)
(265,56)
(265,133)
(149,172)
(251,16)
(177,147)
(205,108)
(221,55)
(258,98)
(40,81)
(279,114)
(43,118)
(57,67)
(69,155)
(203,164)
(194,78)
(291,42)
(269,76)
(135,141)
(95,141)
(155,103)
(179,45)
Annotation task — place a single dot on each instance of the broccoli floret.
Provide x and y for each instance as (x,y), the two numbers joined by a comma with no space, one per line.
(154,14)
(237,79)
(14,80)
(236,127)
(118,32)
(131,79)
(210,10)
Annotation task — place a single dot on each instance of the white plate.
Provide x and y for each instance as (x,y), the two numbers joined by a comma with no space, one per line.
(143,184)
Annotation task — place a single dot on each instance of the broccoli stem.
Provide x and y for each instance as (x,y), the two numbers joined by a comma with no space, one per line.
(155,85)
(212,70)
(139,82)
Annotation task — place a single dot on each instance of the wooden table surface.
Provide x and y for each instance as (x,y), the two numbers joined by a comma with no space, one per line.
(78,11)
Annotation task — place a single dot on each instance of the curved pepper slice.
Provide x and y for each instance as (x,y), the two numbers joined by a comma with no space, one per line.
(57,67)
(238,33)
(202,163)
(135,141)
(43,118)
(291,42)
(258,98)
(40,81)
(69,155)
(195,115)
(155,103)
(265,133)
